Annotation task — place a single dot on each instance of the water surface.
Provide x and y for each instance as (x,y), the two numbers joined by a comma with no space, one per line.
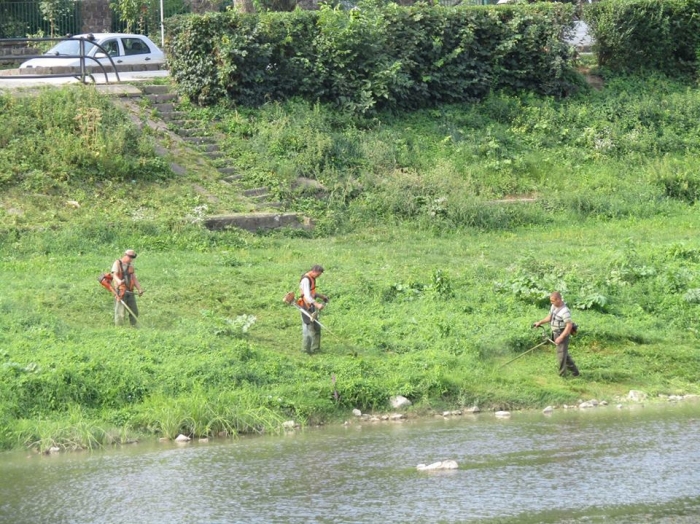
(600,465)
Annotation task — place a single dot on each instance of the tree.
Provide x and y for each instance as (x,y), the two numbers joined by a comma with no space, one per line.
(53,10)
(133,12)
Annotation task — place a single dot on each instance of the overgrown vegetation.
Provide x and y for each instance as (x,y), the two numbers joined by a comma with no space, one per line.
(376,56)
(63,137)
(432,285)
(630,150)
(647,35)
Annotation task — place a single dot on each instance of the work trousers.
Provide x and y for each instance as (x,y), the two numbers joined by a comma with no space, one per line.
(563,358)
(310,337)
(120,311)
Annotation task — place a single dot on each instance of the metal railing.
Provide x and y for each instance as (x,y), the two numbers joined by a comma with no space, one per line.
(83,74)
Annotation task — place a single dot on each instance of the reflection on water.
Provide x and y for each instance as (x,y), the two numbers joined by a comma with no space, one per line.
(604,465)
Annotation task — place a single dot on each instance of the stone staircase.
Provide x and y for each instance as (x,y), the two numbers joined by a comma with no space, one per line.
(268,212)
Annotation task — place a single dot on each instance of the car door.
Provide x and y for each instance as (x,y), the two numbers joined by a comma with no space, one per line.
(113,50)
(136,51)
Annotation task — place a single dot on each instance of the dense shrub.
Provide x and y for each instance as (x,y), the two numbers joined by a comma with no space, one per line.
(372,57)
(652,35)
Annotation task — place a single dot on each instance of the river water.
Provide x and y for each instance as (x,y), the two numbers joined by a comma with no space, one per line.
(631,465)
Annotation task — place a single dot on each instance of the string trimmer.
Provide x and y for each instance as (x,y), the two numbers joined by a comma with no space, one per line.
(545,341)
(105,280)
(290,299)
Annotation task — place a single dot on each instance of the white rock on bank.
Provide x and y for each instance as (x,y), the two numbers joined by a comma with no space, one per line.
(356,412)
(636,396)
(547,410)
(444,464)
(288,424)
(502,414)
(182,438)
(399,401)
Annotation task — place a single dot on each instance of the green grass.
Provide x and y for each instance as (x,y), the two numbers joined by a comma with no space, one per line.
(396,330)
(432,287)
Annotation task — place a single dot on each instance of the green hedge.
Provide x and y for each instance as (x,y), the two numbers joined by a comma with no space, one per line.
(372,57)
(637,35)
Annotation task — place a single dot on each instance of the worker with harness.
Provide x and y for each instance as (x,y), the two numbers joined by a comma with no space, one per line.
(308,302)
(124,282)
(559,318)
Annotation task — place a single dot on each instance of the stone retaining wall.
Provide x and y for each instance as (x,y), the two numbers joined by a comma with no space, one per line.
(14,53)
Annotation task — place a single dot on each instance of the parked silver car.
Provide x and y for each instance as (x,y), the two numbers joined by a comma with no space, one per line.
(124,49)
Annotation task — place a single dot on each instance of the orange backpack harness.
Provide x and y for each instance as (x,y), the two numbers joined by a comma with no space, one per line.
(312,284)
(128,281)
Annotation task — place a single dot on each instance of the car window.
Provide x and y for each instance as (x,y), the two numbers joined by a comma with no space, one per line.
(112,47)
(69,47)
(135,46)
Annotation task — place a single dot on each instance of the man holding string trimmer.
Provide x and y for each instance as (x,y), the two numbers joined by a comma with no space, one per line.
(124,281)
(309,302)
(560,319)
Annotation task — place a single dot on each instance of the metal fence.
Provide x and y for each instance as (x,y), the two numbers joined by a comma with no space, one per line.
(149,21)
(23,18)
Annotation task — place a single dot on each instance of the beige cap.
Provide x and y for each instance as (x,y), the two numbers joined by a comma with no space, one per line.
(130,253)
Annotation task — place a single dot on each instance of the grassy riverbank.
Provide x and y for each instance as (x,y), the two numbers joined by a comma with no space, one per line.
(432,286)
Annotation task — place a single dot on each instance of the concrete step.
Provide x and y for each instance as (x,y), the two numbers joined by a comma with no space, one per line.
(261,200)
(160,99)
(227,170)
(271,205)
(199,140)
(258,221)
(165,108)
(173,116)
(183,123)
(209,148)
(194,132)
(155,89)
(256,192)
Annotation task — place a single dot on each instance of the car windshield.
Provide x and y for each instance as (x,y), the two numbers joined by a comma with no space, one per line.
(69,47)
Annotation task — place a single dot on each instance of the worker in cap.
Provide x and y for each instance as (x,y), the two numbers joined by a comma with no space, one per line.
(125,282)
(310,302)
